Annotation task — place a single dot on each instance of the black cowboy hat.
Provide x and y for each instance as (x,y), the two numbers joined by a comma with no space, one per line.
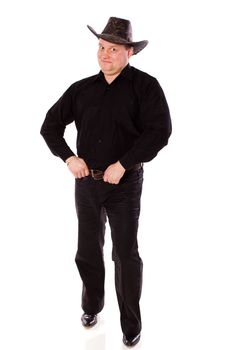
(119,31)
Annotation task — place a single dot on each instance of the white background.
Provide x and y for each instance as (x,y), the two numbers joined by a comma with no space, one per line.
(185,233)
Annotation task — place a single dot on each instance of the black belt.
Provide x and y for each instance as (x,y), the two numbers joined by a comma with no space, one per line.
(98,174)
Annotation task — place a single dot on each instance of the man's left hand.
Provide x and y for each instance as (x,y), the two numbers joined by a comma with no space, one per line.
(114,173)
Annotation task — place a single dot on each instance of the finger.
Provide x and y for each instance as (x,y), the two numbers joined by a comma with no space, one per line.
(81,174)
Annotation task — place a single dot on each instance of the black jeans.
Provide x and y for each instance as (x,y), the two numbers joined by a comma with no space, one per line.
(95,201)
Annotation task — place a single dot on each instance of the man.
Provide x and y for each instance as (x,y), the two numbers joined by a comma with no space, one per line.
(122,120)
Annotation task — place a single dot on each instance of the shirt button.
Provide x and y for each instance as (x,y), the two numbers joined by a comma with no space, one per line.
(99,140)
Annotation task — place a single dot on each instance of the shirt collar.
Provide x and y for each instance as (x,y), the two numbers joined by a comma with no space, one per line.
(127,72)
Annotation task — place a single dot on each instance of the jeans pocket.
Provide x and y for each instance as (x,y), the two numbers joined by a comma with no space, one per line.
(82,179)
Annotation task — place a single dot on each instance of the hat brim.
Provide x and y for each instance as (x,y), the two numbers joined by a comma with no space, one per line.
(138,45)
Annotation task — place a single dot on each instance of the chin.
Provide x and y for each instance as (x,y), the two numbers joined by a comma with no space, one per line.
(106,70)
(106,66)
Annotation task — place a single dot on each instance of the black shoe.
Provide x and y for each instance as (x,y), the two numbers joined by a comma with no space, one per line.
(89,320)
(131,341)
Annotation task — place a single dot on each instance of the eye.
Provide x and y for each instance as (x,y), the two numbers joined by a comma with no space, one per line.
(113,49)
(101,48)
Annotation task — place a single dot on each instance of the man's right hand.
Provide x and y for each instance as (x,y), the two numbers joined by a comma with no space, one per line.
(77,166)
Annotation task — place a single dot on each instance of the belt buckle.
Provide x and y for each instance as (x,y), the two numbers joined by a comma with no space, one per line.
(97,174)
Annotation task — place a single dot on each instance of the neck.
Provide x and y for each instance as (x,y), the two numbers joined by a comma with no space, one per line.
(110,78)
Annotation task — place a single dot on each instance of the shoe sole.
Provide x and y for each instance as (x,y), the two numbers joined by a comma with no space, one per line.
(89,325)
(131,345)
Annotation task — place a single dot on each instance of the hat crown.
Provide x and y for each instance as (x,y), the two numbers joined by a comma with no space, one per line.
(120,28)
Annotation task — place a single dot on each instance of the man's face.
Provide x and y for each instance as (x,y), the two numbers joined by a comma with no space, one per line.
(113,57)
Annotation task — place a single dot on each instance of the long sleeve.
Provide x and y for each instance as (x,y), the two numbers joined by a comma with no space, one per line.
(57,118)
(155,119)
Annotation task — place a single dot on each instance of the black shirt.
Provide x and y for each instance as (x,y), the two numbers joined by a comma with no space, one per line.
(127,120)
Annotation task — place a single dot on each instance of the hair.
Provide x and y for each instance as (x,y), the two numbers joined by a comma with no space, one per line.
(128,46)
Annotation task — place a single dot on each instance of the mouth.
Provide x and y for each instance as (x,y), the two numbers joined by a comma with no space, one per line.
(105,61)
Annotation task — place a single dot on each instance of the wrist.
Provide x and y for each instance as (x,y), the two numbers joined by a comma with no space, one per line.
(121,165)
(70,159)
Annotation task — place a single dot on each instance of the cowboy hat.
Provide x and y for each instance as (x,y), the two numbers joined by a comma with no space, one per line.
(119,31)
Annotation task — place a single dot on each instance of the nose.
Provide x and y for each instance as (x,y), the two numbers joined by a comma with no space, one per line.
(105,54)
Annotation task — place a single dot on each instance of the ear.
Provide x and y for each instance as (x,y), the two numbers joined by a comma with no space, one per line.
(130,52)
